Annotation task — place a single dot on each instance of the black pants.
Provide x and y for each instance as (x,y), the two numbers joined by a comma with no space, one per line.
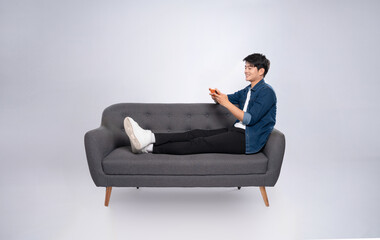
(224,140)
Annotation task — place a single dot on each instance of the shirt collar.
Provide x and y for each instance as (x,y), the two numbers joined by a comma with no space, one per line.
(260,83)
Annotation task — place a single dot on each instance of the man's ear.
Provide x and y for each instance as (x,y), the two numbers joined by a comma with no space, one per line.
(261,71)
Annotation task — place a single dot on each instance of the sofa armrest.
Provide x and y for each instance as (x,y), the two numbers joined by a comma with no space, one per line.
(98,143)
(274,150)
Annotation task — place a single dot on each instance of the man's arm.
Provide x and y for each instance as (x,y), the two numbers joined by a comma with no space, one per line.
(260,107)
(239,114)
(222,99)
(234,98)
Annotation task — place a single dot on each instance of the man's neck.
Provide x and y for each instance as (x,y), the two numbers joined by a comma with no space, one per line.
(255,82)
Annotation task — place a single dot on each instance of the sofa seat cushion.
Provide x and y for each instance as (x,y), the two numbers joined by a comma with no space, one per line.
(122,161)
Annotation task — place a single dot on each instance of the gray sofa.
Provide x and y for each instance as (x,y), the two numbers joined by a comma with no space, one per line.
(112,164)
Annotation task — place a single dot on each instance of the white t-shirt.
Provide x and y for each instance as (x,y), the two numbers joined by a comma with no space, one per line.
(240,124)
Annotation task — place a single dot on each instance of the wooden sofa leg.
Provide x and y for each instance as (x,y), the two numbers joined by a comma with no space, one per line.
(265,197)
(108,195)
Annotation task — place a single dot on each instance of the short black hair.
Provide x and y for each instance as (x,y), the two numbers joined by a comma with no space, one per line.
(258,60)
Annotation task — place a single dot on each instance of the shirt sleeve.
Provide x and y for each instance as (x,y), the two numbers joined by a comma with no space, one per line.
(260,107)
(235,97)
(246,118)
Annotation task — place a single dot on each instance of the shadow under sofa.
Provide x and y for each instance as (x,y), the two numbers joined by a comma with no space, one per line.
(112,163)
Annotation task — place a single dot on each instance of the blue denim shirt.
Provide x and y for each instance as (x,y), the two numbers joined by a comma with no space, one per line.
(260,116)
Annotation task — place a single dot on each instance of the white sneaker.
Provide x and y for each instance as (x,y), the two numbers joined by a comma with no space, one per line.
(147,149)
(138,137)
(134,150)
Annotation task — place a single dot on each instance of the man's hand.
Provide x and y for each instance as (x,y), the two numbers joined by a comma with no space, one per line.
(220,98)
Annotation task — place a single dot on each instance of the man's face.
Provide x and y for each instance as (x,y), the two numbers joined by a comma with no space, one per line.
(251,72)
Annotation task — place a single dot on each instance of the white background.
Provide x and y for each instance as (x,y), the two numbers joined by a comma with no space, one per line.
(63,62)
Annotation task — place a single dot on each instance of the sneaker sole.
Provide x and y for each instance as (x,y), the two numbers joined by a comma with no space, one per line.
(129,130)
(133,149)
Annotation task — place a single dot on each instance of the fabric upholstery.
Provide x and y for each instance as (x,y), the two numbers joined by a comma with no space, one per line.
(123,161)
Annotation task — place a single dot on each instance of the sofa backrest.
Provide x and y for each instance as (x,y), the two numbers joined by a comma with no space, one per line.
(166,117)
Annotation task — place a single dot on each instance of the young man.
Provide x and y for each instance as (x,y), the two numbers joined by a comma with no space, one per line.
(256,117)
